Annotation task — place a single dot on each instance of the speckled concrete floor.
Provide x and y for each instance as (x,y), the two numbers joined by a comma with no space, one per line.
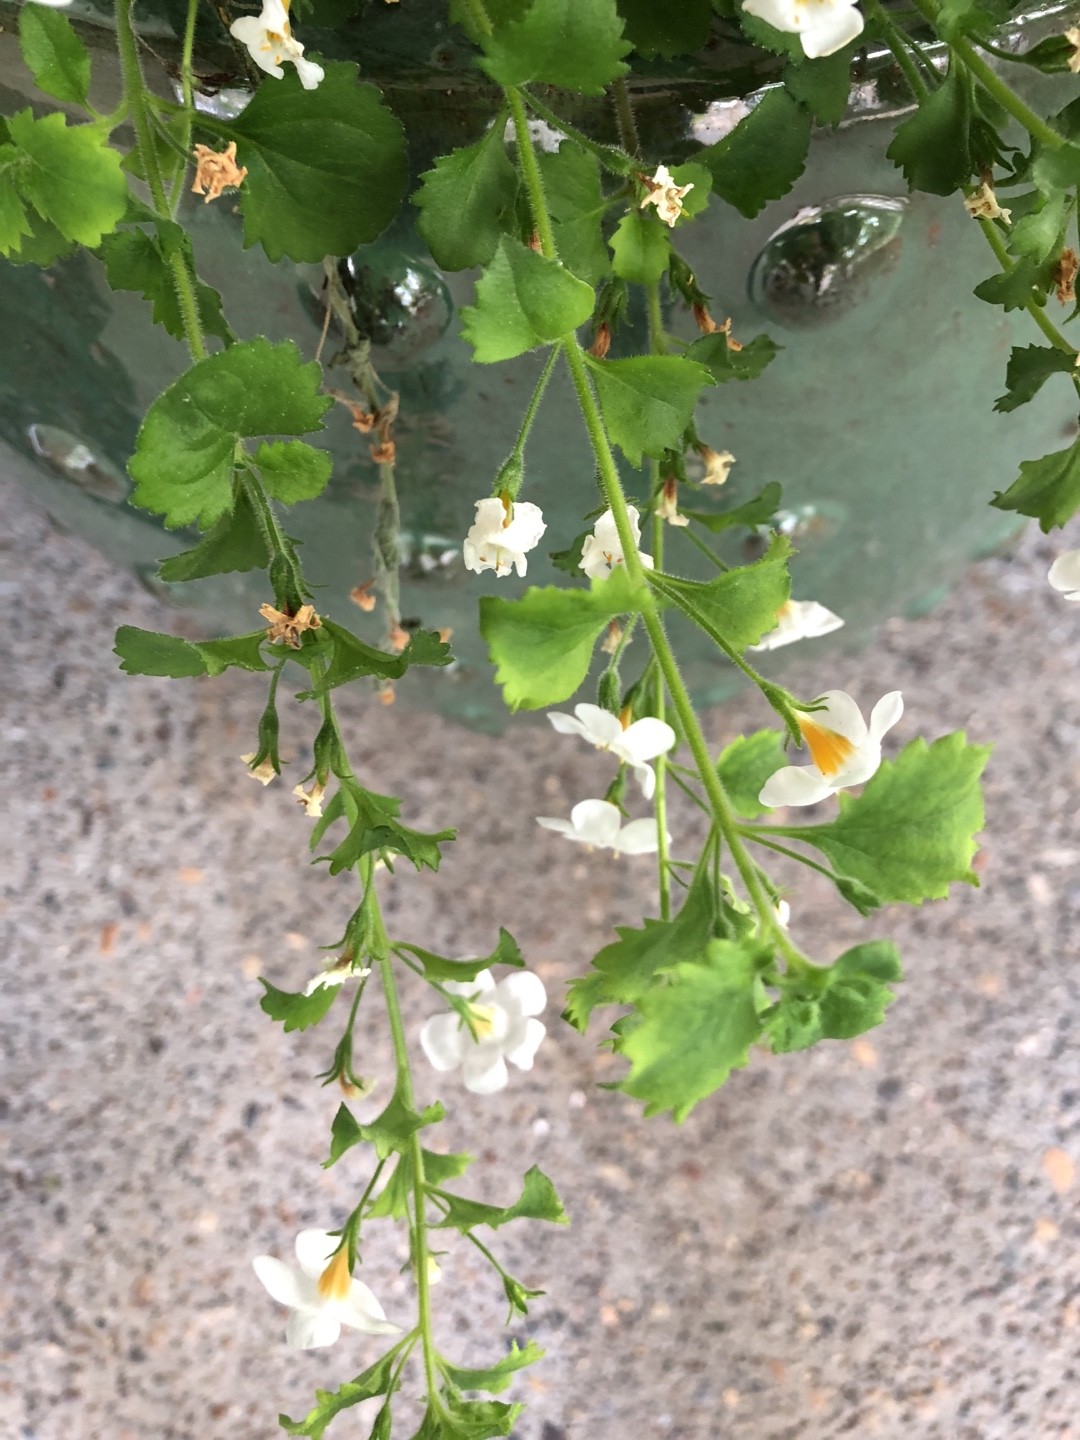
(878,1238)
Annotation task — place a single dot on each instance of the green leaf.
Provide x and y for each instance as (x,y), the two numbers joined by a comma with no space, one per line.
(241,652)
(1048,489)
(822,85)
(374,825)
(576,44)
(767,37)
(146,652)
(14,219)
(437,967)
(1040,234)
(623,971)
(495,1378)
(911,833)
(299,1011)
(1055,170)
(538,1201)
(69,175)
(184,457)
(542,643)
(470,1420)
(292,470)
(739,606)
(396,1195)
(758,511)
(390,1131)
(640,247)
(745,765)
(666,30)
(464,200)
(1030,366)
(136,260)
(572,184)
(723,363)
(523,300)
(763,156)
(648,400)
(1016,288)
(1051,55)
(54,54)
(933,147)
(326,167)
(696,1029)
(846,1000)
(234,543)
(376,1380)
(353,658)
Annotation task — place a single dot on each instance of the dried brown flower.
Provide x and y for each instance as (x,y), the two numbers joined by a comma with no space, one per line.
(216,171)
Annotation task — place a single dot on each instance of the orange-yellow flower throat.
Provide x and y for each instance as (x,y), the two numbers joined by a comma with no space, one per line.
(830,751)
(336,1279)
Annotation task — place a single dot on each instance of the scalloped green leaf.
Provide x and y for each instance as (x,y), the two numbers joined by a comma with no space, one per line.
(54,54)
(648,400)
(763,156)
(1048,489)
(69,175)
(740,606)
(576,44)
(523,300)
(464,200)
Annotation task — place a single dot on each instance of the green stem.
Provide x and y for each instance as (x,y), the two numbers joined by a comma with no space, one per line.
(534,404)
(188,91)
(271,531)
(657,338)
(890,34)
(624,114)
(611,159)
(1042,320)
(656,344)
(756,837)
(689,533)
(530,173)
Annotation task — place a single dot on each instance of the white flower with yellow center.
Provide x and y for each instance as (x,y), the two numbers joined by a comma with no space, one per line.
(602,551)
(799,620)
(503,1027)
(666,195)
(598,824)
(501,534)
(844,749)
(270,43)
(322,1293)
(1064,574)
(634,744)
(823,26)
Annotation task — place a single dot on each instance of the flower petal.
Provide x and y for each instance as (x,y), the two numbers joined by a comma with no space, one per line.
(840,713)
(885,714)
(863,764)
(444,1039)
(566,724)
(831,32)
(310,76)
(484,1071)
(640,837)
(560,826)
(645,740)
(479,987)
(525,991)
(795,785)
(1064,573)
(599,726)
(523,1052)
(596,822)
(780,14)
(646,778)
(311,1329)
(313,1251)
(282,1281)
(362,1311)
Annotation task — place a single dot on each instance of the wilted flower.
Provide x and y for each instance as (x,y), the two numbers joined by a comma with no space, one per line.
(666,195)
(344,968)
(215,171)
(983,205)
(311,799)
(289,628)
(264,772)
(718,465)
(667,507)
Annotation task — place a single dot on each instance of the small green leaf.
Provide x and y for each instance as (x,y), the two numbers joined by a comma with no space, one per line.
(14,219)
(353,658)
(763,156)
(693,1031)
(1051,55)
(242,652)
(767,37)
(933,147)
(469,1420)
(495,1378)
(724,363)
(739,606)
(1040,234)
(640,247)
(822,85)
(376,1380)
(326,167)
(911,833)
(846,1000)
(666,30)
(572,184)
(759,511)
(145,652)
(538,1201)
(390,1131)
(54,54)
(1056,170)
(575,44)
(464,200)
(1016,288)
(745,765)
(135,260)
(70,176)
(374,825)
(296,1012)
(437,967)
(234,543)
(523,300)
(1048,489)
(184,457)
(1030,366)
(396,1195)
(542,643)
(648,400)
(292,470)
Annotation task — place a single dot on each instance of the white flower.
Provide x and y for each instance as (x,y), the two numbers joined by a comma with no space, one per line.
(666,195)
(264,772)
(799,620)
(982,204)
(270,43)
(633,744)
(823,26)
(598,823)
(311,799)
(53,4)
(845,752)
(602,550)
(502,1017)
(501,534)
(783,913)
(342,969)
(1064,574)
(322,1294)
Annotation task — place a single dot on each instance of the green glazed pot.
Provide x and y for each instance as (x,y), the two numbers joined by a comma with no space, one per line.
(876,418)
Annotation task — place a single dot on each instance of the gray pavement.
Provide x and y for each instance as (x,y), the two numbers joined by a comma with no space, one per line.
(879,1238)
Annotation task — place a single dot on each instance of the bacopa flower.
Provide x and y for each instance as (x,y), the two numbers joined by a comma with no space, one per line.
(270,43)
(982,204)
(799,620)
(311,799)
(264,772)
(501,534)
(598,824)
(504,1028)
(602,550)
(633,744)
(823,26)
(1064,574)
(344,968)
(844,749)
(322,1293)
(666,195)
